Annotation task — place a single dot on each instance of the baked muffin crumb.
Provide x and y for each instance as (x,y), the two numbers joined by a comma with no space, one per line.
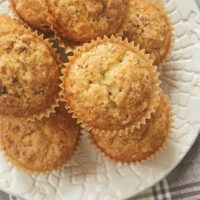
(110,85)
(84,20)
(40,146)
(141,144)
(150,27)
(35,13)
(29,73)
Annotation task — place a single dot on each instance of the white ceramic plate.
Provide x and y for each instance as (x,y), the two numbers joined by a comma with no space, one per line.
(92,177)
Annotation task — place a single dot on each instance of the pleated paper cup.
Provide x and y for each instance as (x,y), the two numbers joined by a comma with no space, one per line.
(78,109)
(40,147)
(141,145)
(14,31)
(150,27)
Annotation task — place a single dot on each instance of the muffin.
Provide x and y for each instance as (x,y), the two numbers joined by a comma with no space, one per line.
(151,28)
(110,85)
(40,146)
(8,25)
(141,144)
(35,13)
(29,73)
(84,20)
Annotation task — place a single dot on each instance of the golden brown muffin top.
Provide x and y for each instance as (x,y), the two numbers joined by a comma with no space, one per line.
(35,13)
(40,146)
(142,143)
(149,27)
(84,20)
(8,25)
(29,74)
(109,86)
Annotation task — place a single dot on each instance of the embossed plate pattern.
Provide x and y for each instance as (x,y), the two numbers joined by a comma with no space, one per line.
(92,177)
